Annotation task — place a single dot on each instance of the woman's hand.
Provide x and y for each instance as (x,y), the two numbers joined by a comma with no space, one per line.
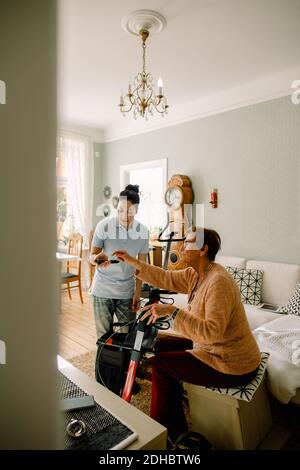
(125,257)
(156,311)
(102,260)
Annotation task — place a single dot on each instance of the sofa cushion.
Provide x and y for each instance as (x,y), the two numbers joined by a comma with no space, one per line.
(283,323)
(246,392)
(293,305)
(257,317)
(249,282)
(284,361)
(233,261)
(279,280)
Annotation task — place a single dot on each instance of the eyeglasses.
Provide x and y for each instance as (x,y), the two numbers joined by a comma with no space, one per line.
(187,243)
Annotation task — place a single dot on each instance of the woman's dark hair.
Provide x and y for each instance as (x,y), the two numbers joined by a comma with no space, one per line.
(213,241)
(131,192)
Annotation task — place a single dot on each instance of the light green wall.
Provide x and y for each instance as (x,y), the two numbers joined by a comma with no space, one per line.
(252,155)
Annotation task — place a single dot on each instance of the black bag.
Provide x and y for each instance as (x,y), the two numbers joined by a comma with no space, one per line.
(112,361)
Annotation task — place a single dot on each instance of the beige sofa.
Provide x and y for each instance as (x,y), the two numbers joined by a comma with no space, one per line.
(279,281)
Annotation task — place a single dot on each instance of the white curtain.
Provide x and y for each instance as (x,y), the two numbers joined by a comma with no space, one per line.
(79,171)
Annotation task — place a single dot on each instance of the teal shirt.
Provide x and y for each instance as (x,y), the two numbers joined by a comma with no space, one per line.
(117,280)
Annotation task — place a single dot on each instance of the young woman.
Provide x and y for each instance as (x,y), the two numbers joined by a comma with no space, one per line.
(114,288)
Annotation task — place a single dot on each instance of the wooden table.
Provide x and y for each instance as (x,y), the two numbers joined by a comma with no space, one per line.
(156,253)
(151,435)
(66,257)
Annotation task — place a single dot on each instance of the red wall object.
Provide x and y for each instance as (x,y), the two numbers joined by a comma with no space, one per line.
(214,198)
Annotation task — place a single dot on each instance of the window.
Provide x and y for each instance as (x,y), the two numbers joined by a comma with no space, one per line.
(74,170)
(151,177)
(63,209)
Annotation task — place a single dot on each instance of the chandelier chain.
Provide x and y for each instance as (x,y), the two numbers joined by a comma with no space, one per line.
(144,57)
(142,99)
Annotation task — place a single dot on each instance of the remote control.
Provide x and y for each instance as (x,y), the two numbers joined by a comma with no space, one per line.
(77,403)
(112,261)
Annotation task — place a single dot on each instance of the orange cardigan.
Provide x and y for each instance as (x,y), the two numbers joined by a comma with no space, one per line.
(215,318)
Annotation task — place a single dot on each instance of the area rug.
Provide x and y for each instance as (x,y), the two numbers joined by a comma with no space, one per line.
(86,363)
(142,400)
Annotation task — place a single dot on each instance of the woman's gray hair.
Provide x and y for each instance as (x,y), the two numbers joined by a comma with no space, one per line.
(209,237)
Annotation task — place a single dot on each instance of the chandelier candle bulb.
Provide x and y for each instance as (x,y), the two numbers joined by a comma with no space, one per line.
(160,85)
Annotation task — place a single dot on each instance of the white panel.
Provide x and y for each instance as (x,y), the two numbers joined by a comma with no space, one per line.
(279,280)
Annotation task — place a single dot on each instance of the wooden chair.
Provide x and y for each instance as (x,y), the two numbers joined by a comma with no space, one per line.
(92,267)
(155,253)
(73,273)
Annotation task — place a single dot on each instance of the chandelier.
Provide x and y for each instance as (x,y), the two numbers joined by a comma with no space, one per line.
(141,97)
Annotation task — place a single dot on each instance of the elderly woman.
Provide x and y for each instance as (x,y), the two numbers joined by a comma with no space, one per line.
(217,347)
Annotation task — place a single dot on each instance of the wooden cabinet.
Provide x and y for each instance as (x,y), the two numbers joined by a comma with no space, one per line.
(179,197)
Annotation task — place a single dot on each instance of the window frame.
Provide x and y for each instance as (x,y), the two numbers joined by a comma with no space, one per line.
(126,169)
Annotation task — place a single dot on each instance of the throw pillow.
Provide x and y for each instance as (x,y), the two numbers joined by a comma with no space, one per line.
(249,282)
(293,305)
(247,391)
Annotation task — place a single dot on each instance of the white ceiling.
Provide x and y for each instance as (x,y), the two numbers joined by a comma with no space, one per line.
(244,49)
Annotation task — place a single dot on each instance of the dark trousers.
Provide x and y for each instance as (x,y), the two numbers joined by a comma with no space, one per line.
(171,365)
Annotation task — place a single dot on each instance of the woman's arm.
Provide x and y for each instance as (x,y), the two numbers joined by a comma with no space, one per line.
(97,248)
(178,281)
(138,285)
(219,304)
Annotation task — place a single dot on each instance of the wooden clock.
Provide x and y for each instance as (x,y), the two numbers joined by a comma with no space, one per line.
(179,193)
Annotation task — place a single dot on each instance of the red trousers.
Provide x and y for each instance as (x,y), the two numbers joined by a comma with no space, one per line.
(171,365)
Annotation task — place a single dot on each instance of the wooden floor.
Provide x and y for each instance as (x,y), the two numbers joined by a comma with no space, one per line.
(77,333)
